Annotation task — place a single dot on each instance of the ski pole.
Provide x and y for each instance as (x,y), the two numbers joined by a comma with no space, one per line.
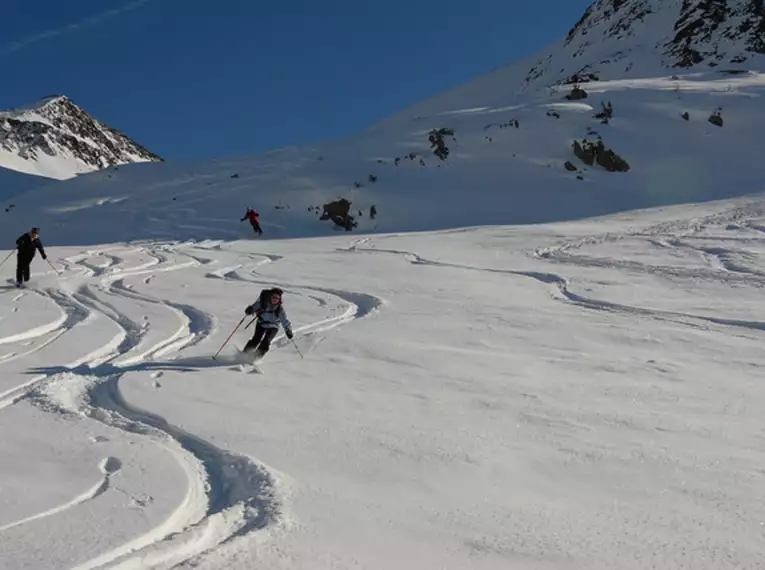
(296,347)
(7,258)
(252,321)
(53,268)
(229,337)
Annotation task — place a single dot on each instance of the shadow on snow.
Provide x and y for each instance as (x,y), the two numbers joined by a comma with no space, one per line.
(191,364)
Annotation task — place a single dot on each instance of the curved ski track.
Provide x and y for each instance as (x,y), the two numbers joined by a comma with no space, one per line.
(728,272)
(358,305)
(229,495)
(108,467)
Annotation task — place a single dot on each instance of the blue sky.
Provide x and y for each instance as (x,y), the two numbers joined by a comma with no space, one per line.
(193,78)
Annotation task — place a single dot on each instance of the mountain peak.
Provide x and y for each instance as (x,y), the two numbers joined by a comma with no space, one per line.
(54,137)
(54,99)
(619,38)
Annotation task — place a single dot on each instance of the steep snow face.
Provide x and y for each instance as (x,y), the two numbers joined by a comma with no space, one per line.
(614,34)
(625,39)
(57,139)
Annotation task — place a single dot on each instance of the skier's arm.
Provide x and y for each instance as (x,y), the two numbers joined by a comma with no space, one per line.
(286,323)
(253,309)
(41,249)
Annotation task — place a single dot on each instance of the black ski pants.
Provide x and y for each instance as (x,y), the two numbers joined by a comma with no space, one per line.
(22,268)
(261,340)
(256,227)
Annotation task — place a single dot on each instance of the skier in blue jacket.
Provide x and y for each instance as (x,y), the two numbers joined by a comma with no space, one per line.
(270,313)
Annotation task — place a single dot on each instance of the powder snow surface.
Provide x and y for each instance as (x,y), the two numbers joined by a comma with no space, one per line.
(574,395)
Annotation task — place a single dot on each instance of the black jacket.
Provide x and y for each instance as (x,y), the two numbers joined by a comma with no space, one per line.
(27,246)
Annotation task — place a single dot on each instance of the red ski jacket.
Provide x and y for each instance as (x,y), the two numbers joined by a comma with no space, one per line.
(250,215)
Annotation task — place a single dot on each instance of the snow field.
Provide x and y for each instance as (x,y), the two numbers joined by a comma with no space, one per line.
(582,394)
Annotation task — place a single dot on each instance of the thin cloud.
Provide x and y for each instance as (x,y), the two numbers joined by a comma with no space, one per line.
(87,22)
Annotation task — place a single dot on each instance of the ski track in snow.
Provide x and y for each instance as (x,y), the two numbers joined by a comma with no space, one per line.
(75,314)
(108,466)
(727,269)
(358,305)
(229,495)
(227,481)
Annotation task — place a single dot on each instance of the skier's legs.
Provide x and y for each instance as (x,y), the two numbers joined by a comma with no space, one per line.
(22,269)
(255,340)
(265,344)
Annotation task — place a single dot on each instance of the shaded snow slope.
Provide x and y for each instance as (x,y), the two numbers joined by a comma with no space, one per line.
(57,139)
(506,164)
(13,183)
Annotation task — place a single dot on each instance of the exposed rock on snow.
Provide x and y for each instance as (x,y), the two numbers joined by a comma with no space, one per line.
(339,212)
(596,153)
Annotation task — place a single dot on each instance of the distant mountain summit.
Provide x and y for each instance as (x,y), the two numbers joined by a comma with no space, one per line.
(57,139)
(617,38)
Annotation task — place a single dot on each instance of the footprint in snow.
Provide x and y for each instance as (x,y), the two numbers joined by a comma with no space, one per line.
(141,501)
(98,439)
(110,465)
(156,383)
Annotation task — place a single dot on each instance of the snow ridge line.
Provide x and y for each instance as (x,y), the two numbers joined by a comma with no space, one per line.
(672,234)
(562,286)
(731,274)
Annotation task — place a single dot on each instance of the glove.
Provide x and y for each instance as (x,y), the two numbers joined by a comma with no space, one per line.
(289,334)
(249,310)
(45,257)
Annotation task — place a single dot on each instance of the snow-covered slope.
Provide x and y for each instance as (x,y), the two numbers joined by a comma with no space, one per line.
(623,39)
(13,183)
(56,139)
(687,127)
(576,395)
(506,164)
(580,394)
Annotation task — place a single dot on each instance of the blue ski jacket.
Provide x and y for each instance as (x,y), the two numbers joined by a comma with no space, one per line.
(270,316)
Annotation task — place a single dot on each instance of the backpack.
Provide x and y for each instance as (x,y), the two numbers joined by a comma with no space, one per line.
(265,300)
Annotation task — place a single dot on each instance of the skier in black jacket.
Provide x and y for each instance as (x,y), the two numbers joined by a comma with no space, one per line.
(27,244)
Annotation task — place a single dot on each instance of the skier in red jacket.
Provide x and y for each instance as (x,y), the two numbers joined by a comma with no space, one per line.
(252,215)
